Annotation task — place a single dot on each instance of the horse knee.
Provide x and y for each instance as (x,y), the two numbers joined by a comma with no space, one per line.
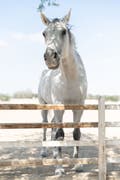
(59,134)
(76,134)
(44,114)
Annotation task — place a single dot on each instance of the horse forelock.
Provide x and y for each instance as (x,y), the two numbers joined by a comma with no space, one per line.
(55,20)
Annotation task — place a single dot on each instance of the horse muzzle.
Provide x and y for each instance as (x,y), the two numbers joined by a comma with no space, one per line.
(51,58)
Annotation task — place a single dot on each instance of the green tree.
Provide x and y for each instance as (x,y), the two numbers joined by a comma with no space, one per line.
(4,97)
(23,94)
(44,3)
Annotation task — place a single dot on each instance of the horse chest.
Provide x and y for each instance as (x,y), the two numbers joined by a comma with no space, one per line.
(65,92)
(56,89)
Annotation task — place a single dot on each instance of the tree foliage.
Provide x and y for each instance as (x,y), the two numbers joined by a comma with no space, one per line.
(4,97)
(23,94)
(44,3)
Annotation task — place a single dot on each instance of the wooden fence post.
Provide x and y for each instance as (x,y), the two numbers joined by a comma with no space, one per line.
(101,138)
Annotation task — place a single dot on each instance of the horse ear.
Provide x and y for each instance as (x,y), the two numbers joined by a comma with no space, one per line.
(45,20)
(67,17)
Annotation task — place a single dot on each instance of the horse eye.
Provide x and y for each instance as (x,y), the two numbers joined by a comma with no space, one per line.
(63,32)
(44,34)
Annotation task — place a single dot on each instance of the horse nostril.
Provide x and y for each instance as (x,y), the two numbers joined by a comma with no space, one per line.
(55,55)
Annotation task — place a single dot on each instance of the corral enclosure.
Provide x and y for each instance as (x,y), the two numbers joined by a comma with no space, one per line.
(22,149)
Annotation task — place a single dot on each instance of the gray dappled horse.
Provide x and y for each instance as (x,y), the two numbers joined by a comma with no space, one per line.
(65,80)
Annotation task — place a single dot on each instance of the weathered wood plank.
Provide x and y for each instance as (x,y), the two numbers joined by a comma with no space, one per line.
(109,143)
(113,175)
(113,160)
(112,106)
(57,107)
(114,142)
(112,124)
(48,107)
(48,125)
(102,150)
(47,143)
(68,143)
(56,125)
(47,162)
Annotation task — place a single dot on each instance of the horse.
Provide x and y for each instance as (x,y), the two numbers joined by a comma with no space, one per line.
(64,81)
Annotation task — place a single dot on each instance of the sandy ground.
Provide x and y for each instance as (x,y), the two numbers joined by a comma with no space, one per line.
(35,173)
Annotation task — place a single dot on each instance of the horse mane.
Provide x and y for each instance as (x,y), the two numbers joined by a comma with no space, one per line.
(72,39)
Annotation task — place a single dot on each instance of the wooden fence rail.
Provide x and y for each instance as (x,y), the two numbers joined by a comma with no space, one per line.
(55,125)
(56,107)
(64,143)
(48,162)
(101,143)
(47,107)
(47,125)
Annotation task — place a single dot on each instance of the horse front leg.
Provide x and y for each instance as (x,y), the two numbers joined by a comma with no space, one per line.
(58,134)
(76,133)
(76,136)
(44,114)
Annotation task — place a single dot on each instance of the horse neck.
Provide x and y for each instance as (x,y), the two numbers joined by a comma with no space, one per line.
(68,65)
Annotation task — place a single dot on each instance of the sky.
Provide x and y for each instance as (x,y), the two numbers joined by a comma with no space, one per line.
(95,25)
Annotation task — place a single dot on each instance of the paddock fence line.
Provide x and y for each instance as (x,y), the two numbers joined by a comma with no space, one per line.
(102,143)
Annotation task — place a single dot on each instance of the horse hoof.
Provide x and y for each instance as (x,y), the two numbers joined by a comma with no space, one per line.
(59,172)
(75,155)
(43,153)
(78,168)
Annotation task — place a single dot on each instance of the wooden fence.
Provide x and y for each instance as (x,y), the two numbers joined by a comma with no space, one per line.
(102,143)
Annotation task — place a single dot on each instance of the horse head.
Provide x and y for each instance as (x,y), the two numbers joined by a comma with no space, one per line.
(56,38)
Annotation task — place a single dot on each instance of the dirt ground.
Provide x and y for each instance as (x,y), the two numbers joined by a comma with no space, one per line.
(47,172)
